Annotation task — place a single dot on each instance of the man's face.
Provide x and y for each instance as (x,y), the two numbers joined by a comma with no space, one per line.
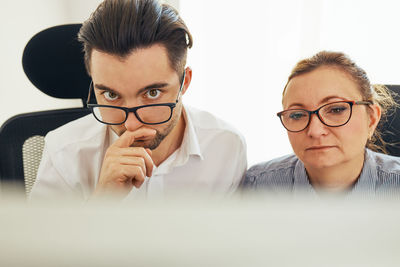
(144,77)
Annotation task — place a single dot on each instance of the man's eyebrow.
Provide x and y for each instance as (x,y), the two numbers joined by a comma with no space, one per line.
(144,89)
(152,86)
(105,88)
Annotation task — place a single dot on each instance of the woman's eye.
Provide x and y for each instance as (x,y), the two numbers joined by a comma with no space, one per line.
(297,115)
(153,93)
(337,110)
(110,96)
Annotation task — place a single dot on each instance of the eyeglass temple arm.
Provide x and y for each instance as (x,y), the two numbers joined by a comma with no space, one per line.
(180,89)
(368,102)
(89,94)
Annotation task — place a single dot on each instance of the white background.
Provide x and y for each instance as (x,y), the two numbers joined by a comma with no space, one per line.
(243,52)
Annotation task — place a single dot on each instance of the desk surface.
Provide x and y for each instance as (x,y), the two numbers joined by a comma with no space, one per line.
(198,232)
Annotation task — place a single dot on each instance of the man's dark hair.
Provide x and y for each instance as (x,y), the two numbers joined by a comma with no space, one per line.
(119,27)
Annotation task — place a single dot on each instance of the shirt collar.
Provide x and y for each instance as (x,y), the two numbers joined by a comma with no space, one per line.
(190,143)
(301,184)
(364,186)
(366,183)
(190,146)
(112,136)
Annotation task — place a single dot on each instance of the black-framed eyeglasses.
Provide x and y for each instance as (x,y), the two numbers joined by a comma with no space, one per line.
(147,114)
(333,114)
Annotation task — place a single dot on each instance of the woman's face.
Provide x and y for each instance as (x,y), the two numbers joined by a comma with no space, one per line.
(320,146)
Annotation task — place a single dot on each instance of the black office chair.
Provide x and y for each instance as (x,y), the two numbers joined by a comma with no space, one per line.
(391,127)
(53,62)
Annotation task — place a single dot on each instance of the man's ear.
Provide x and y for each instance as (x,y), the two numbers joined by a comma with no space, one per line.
(375,114)
(188,79)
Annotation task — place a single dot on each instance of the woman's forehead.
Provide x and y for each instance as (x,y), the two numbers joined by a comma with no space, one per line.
(312,87)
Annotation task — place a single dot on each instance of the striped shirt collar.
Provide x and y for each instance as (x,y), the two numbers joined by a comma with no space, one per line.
(365,185)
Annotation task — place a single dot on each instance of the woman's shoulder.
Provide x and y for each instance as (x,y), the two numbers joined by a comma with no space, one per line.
(276,172)
(277,164)
(385,163)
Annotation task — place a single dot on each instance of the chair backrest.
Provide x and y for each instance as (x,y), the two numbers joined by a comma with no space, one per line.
(22,140)
(53,62)
(391,127)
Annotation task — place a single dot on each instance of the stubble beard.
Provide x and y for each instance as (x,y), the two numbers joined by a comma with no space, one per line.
(160,135)
(155,142)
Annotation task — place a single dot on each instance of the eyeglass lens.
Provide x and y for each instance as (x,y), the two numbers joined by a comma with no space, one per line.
(335,114)
(151,114)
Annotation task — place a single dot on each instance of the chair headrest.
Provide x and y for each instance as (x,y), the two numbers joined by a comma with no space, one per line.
(53,60)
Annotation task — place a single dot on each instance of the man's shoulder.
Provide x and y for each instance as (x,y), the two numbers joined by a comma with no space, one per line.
(82,130)
(206,123)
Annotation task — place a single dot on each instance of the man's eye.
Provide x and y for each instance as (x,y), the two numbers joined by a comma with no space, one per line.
(153,93)
(110,96)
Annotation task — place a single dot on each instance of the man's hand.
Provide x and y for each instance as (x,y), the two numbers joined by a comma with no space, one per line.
(124,166)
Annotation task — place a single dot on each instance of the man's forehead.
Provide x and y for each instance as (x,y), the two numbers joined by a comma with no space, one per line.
(147,65)
(156,51)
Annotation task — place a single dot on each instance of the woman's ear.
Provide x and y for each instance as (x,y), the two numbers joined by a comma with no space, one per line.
(375,113)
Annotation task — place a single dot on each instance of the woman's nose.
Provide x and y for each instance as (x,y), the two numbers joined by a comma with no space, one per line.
(316,128)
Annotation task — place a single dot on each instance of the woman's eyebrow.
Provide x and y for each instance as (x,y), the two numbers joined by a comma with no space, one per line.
(295,104)
(324,100)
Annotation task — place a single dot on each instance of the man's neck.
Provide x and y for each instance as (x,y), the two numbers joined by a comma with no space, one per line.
(170,143)
(336,178)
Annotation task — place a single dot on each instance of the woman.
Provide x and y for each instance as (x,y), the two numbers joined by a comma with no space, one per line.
(331,112)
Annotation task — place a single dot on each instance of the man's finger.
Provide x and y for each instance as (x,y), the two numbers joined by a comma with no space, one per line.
(128,137)
(148,161)
(139,152)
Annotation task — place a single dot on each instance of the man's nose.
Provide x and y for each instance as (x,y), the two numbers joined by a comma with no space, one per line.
(316,128)
(132,123)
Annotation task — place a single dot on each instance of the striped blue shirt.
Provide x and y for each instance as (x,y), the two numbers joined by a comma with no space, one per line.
(380,176)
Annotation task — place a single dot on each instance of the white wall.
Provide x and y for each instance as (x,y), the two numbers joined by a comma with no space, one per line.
(19,21)
(244,51)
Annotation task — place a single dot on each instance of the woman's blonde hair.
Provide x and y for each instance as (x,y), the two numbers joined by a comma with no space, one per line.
(378,94)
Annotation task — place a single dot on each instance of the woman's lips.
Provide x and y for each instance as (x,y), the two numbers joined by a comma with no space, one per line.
(319,148)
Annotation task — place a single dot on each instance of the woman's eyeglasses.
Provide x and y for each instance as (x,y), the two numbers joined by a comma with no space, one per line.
(332,114)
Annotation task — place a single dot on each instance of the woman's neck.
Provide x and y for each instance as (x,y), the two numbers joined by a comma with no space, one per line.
(337,178)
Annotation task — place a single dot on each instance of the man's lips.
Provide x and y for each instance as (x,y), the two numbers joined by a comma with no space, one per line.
(140,141)
(143,139)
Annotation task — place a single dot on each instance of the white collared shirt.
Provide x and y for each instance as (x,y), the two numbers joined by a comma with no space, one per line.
(211,160)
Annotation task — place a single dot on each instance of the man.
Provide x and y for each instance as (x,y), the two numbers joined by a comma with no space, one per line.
(141,141)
